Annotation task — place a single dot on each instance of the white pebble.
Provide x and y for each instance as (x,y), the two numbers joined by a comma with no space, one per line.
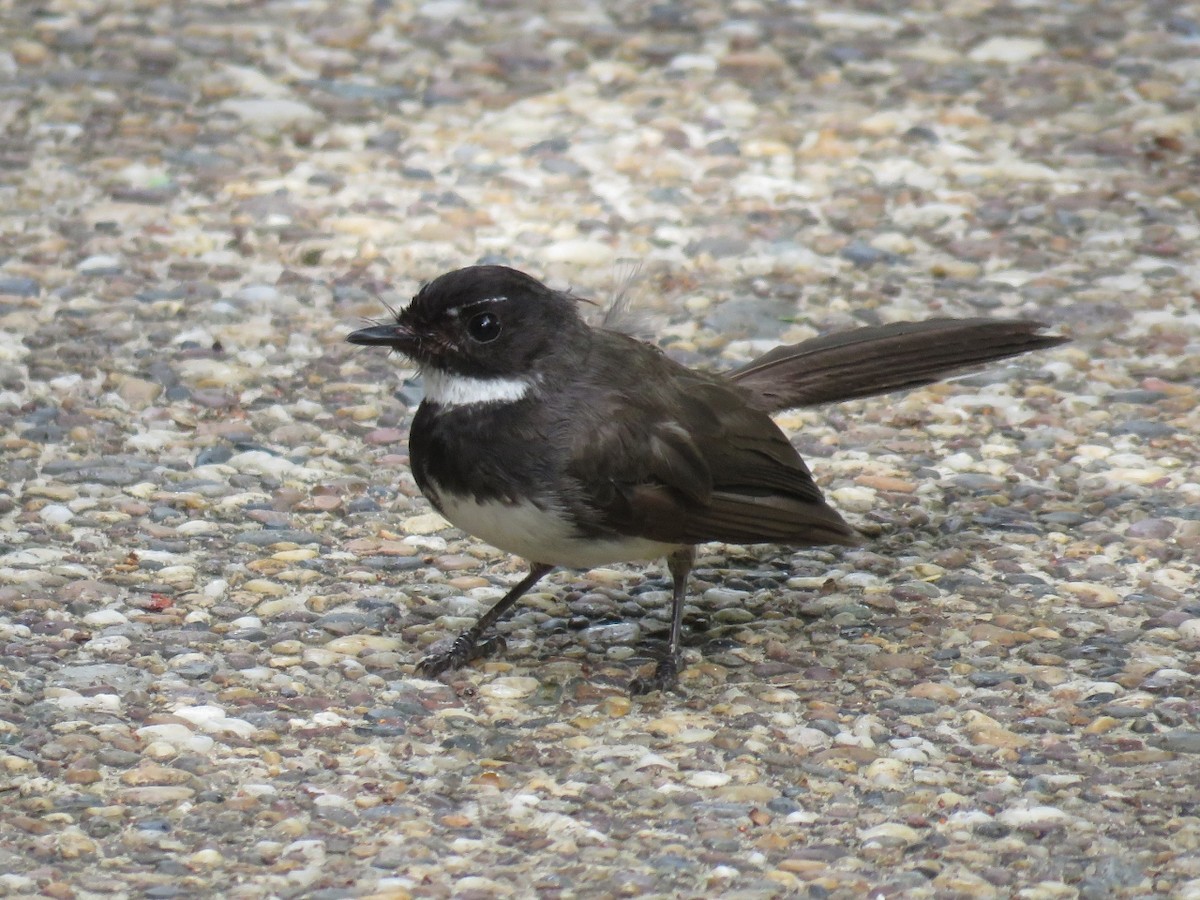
(1189,629)
(709,779)
(270,115)
(207,717)
(1033,817)
(259,462)
(886,772)
(1007,50)
(463,606)
(654,760)
(196,527)
(854,499)
(693,62)
(34,556)
(890,833)
(111,643)
(509,687)
(160,750)
(259,294)
(102,617)
(432,544)
(580,252)
(319,656)
(66,699)
(178,576)
(55,514)
(426,523)
(911,755)
(444,9)
(99,262)
(858,580)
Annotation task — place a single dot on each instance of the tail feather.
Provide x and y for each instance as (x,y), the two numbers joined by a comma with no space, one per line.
(879,359)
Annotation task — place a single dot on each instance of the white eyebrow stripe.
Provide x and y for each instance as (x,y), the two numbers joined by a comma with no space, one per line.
(458,310)
(448,389)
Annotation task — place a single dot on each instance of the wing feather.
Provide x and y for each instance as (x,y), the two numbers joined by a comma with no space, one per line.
(684,459)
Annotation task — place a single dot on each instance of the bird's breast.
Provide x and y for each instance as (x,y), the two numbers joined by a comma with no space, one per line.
(498,453)
(499,472)
(538,531)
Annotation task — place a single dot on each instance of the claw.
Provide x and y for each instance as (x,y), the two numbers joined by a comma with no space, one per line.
(465,649)
(665,678)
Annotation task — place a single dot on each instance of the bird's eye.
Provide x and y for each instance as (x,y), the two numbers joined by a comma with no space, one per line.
(484,327)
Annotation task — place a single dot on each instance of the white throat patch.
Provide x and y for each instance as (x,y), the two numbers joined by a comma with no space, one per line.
(448,389)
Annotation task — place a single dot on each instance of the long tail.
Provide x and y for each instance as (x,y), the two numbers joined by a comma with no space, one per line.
(883,358)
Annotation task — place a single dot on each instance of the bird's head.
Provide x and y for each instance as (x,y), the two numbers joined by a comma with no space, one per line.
(478,322)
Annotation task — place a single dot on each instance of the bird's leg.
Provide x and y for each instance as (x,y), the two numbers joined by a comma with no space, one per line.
(468,645)
(666,673)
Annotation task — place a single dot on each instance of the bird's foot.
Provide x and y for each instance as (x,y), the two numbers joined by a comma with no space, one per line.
(465,648)
(665,678)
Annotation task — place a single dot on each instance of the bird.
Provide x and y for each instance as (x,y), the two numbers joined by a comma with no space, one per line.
(572,445)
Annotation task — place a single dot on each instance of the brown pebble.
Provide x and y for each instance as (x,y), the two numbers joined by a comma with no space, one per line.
(885,662)
(138,392)
(374,546)
(807,869)
(932,690)
(467,582)
(886,483)
(384,436)
(29,53)
(1148,756)
(324,502)
(152,773)
(455,562)
(759,817)
(881,601)
(155,794)
(995,635)
(751,64)
(1151,529)
(30,825)
(853,756)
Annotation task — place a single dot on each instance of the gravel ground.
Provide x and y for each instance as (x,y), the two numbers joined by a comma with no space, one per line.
(216,573)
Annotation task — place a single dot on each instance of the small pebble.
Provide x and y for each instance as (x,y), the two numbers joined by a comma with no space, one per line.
(218,576)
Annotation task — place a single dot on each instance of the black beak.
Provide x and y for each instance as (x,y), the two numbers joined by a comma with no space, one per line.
(396,336)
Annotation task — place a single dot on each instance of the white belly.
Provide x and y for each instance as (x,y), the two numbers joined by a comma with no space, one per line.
(541,535)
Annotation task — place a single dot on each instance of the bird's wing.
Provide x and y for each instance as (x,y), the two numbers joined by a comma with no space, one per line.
(684,459)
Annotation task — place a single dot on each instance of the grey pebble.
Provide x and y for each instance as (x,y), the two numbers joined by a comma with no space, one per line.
(1144,428)
(612,633)
(120,677)
(267,536)
(392,563)
(204,202)
(1180,740)
(1151,529)
(911,706)
(19,287)
(863,254)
